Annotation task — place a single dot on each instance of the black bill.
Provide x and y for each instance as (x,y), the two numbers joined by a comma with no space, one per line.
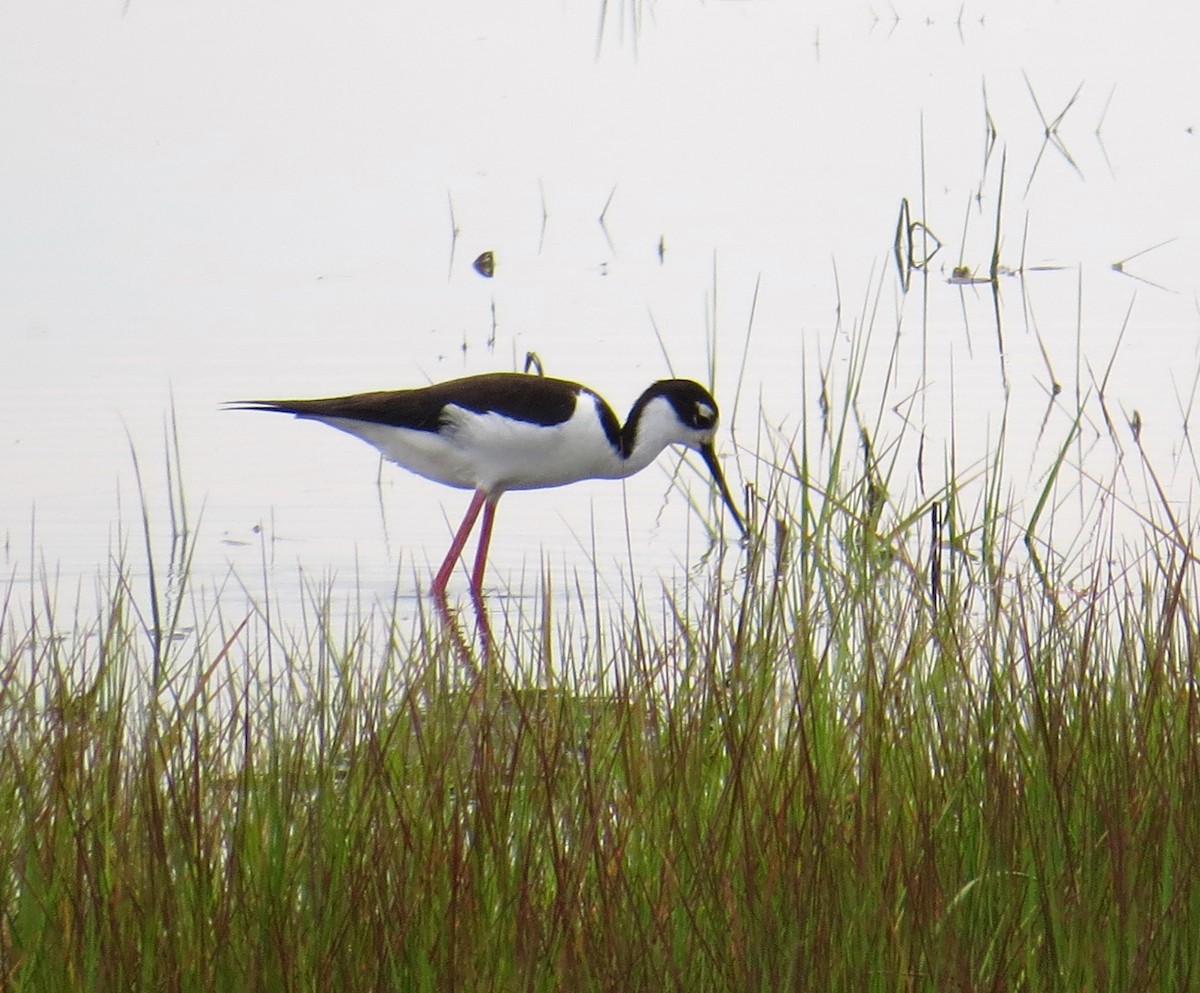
(710,459)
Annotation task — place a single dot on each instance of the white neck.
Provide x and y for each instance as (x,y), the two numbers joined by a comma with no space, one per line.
(657,427)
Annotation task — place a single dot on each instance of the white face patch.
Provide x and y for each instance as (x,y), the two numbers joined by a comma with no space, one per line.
(706,411)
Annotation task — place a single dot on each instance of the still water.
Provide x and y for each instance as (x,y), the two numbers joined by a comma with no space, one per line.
(211,201)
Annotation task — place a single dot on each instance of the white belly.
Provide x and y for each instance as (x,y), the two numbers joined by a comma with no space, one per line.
(494,454)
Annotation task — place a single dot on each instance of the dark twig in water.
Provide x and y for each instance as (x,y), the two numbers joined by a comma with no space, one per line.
(1050,135)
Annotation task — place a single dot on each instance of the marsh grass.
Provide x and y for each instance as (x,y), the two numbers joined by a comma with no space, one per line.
(868,752)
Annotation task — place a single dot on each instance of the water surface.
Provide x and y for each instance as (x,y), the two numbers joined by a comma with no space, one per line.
(205,202)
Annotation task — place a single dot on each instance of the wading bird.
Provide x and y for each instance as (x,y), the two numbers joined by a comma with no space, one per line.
(511,431)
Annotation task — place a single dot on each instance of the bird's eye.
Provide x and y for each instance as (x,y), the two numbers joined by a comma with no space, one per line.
(703,416)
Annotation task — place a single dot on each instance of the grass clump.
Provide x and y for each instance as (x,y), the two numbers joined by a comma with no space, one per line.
(868,754)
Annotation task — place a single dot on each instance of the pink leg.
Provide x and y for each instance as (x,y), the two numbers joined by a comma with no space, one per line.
(438,589)
(485,539)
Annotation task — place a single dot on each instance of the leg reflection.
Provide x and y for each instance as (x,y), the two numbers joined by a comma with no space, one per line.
(452,622)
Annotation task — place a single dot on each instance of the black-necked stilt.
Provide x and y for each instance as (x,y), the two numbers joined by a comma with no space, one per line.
(511,431)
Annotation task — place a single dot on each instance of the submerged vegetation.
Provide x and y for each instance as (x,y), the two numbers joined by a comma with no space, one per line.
(884,747)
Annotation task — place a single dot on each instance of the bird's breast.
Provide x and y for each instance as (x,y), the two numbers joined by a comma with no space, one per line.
(510,454)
